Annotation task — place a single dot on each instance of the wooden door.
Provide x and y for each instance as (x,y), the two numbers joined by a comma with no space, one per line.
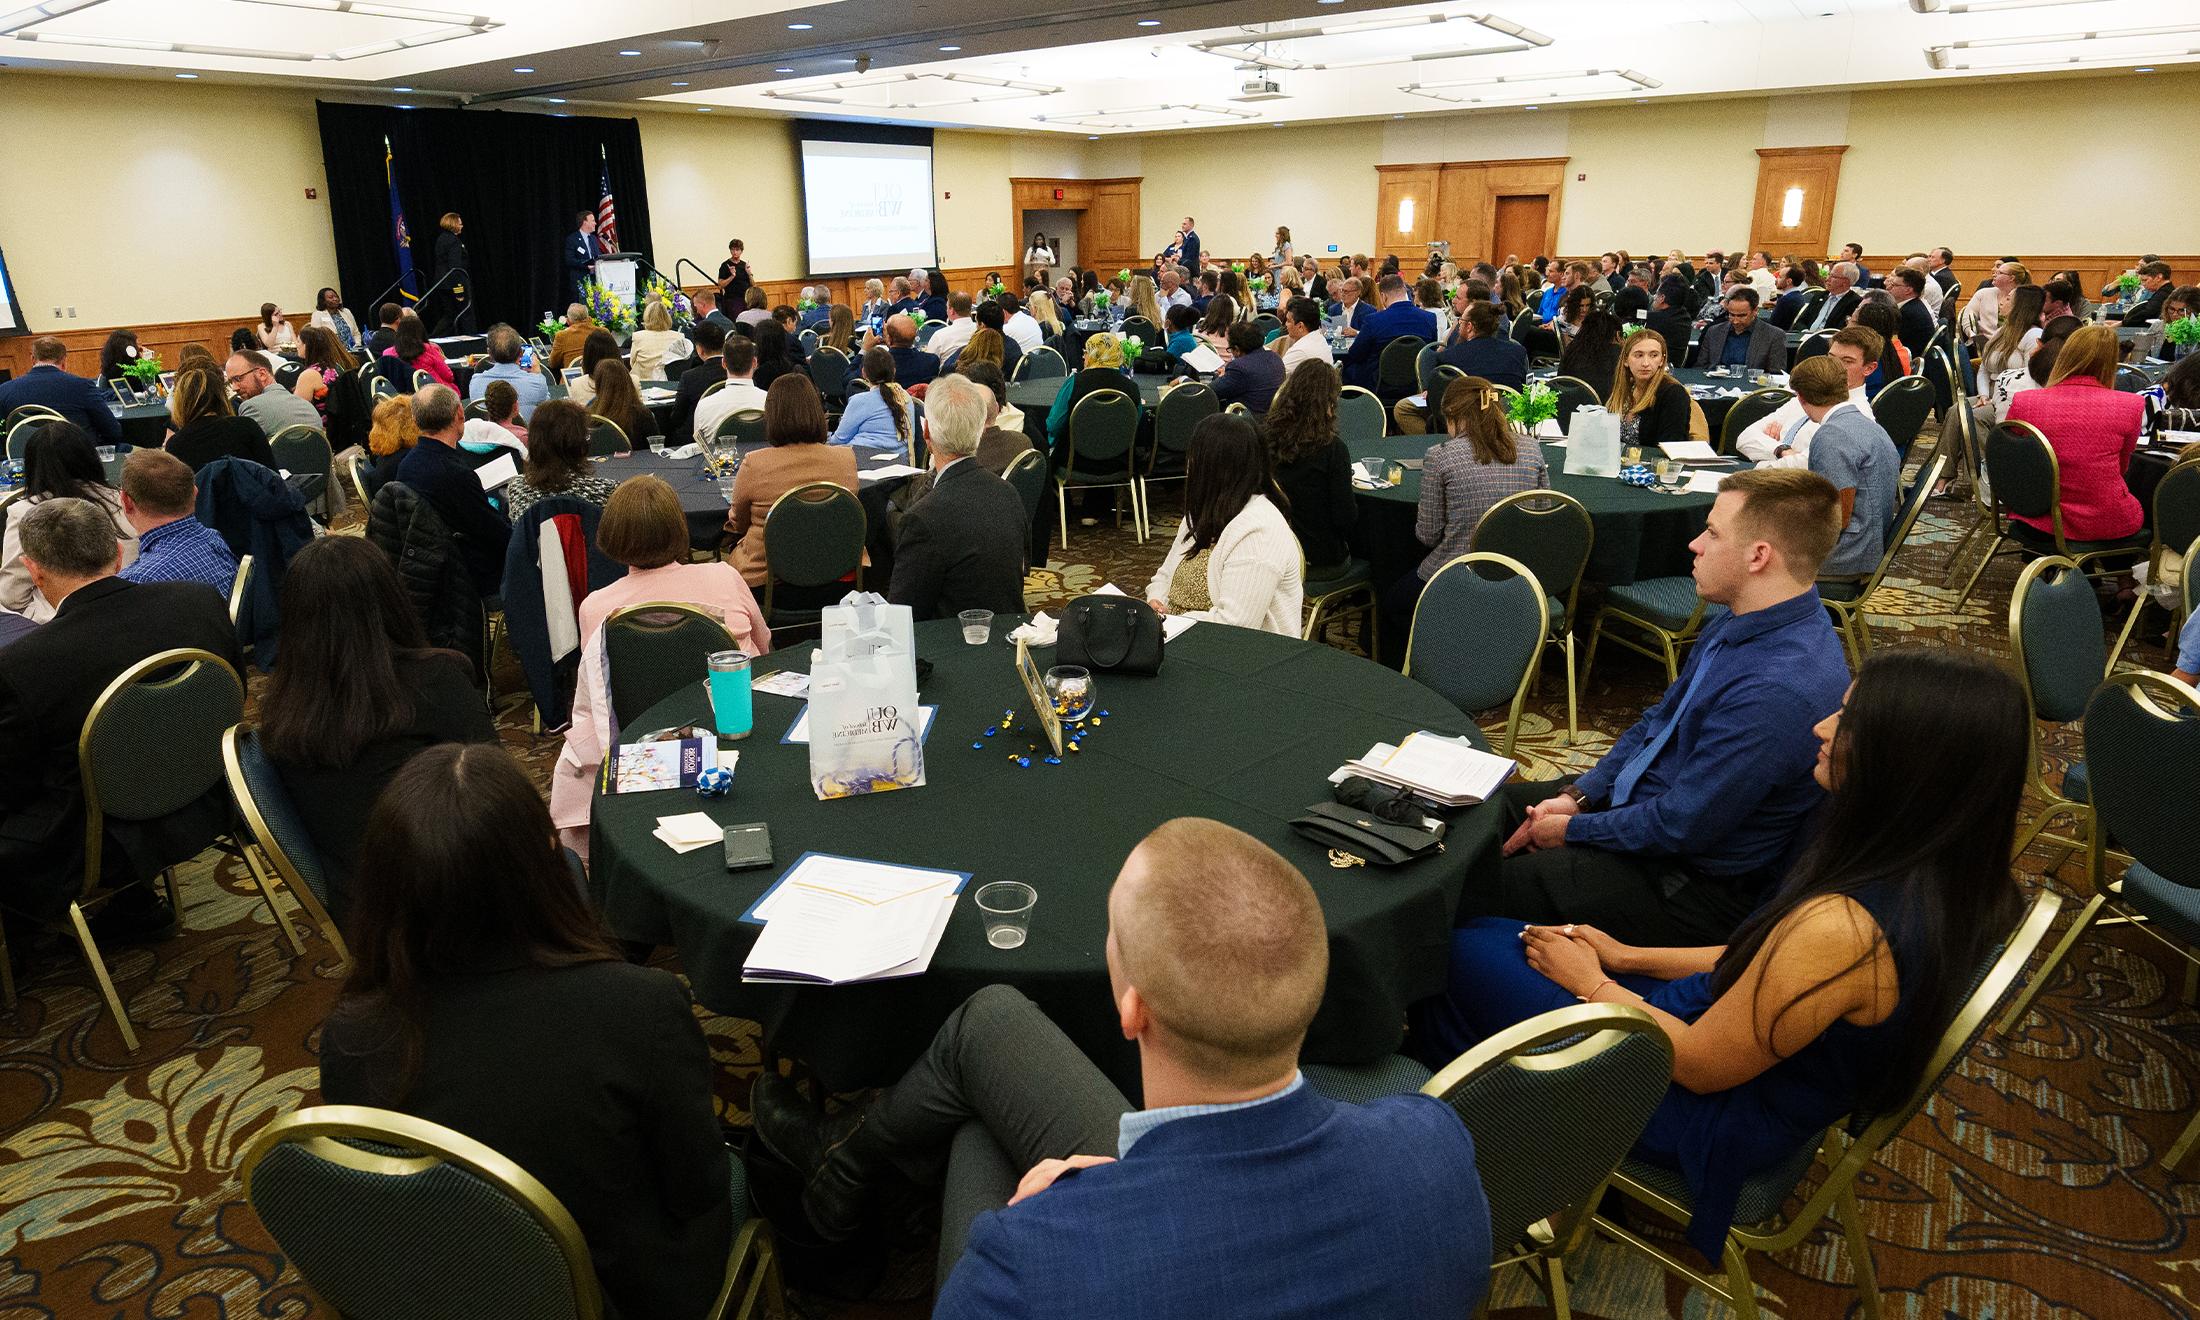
(1794,210)
(1519,226)
(1108,238)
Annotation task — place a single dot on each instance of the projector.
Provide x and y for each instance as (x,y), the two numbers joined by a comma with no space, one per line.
(1259,89)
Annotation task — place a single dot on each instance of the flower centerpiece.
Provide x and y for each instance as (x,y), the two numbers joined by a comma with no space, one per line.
(2183,330)
(995,289)
(806,305)
(1133,348)
(608,309)
(1101,299)
(676,302)
(1532,407)
(2127,286)
(916,314)
(1238,266)
(549,326)
(1124,274)
(1258,284)
(144,370)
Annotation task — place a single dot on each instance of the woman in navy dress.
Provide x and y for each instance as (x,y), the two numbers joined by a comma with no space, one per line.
(1834,993)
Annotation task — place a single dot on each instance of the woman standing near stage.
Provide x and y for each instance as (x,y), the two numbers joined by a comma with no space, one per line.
(450,255)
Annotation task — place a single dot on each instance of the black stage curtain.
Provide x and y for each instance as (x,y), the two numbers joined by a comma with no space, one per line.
(518,180)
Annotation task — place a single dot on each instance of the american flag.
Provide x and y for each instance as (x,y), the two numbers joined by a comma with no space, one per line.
(607,214)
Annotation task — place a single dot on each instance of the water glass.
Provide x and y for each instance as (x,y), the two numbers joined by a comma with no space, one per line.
(977,626)
(725,488)
(1631,455)
(1005,907)
(1069,689)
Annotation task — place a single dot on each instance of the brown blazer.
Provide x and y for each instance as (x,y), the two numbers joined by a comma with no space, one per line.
(768,474)
(566,347)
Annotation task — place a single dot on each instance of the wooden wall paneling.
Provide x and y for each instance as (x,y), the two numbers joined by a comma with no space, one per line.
(1815,170)
(1409,195)
(1463,209)
(1107,225)
(1462,197)
(1544,176)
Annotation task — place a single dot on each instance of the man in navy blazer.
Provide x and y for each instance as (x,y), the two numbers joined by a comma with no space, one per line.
(1398,318)
(1237,1191)
(581,250)
(48,382)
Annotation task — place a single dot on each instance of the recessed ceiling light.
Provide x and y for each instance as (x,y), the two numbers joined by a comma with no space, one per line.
(679,84)
(523,69)
(2148,69)
(1149,22)
(630,52)
(555,100)
(1397,116)
(193,75)
(705,109)
(798,27)
(782,70)
(1328,2)
(1531,107)
(404,107)
(562,114)
(400,89)
(1092,137)
(950,48)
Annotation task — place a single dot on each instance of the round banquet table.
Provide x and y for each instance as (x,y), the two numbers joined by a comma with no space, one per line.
(1639,533)
(1240,726)
(1716,395)
(705,505)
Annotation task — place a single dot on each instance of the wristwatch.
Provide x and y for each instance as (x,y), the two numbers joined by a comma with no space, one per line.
(1575,793)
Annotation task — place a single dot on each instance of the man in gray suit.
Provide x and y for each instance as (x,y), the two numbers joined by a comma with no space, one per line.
(962,546)
(1853,451)
(1743,339)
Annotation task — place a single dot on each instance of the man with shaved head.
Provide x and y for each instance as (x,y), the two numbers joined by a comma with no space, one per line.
(1236,1190)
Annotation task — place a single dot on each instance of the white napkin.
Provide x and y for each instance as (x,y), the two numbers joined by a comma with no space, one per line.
(688,832)
(684,451)
(1038,632)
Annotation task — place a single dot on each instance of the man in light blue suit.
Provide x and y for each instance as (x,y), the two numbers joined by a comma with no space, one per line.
(1237,1191)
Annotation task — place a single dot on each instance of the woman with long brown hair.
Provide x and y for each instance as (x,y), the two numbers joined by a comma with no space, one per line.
(797,452)
(1482,463)
(486,995)
(840,328)
(879,417)
(1313,467)
(1235,558)
(618,398)
(1652,406)
(557,460)
(206,428)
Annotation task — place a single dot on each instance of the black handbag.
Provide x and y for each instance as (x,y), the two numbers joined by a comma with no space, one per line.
(1109,634)
(1358,838)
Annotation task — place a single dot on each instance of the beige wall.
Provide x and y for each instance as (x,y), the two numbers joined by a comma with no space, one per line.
(127,201)
(138,202)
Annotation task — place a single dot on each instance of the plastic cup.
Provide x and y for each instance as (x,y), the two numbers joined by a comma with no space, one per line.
(106,453)
(977,626)
(1005,906)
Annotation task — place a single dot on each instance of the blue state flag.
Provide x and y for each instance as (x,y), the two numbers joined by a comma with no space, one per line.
(399,235)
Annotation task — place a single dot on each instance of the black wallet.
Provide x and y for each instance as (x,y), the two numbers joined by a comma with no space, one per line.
(1356,838)
(748,846)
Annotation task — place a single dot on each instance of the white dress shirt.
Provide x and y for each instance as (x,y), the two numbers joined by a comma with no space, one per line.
(951,337)
(1796,429)
(1932,294)
(1176,298)
(1312,347)
(1024,329)
(718,405)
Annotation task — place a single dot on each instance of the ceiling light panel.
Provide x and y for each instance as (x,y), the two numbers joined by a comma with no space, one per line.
(912,91)
(1173,115)
(293,31)
(1365,43)
(1512,88)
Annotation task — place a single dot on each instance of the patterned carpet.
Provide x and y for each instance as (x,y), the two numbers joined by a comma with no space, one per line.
(2030,1187)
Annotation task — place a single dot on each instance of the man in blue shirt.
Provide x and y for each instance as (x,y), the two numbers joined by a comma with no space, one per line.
(504,351)
(2188,651)
(1679,832)
(435,472)
(160,498)
(1398,317)
(1238,1190)
(1743,339)
(1854,452)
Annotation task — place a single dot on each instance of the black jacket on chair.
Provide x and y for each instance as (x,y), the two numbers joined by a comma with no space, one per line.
(49,679)
(962,546)
(594,1078)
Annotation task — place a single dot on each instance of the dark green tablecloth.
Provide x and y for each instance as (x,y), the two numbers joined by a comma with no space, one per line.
(1240,726)
(1639,533)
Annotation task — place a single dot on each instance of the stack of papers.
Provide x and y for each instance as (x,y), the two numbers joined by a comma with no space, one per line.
(1173,626)
(686,833)
(1450,772)
(493,473)
(885,470)
(1703,483)
(1691,451)
(832,920)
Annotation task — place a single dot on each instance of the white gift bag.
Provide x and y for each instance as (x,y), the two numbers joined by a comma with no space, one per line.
(865,731)
(1592,443)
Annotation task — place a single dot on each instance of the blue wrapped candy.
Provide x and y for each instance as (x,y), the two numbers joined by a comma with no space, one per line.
(1638,474)
(714,782)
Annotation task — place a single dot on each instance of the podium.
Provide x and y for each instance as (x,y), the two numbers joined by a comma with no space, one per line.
(620,272)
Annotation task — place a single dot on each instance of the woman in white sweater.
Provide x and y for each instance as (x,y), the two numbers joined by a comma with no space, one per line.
(1235,558)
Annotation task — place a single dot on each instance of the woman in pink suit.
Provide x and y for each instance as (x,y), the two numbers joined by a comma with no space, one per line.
(2094,427)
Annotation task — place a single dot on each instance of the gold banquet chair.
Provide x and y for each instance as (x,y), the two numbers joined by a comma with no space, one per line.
(391,1217)
(1847,1150)
(279,845)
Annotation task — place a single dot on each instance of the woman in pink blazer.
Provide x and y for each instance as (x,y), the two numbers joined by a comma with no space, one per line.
(2094,427)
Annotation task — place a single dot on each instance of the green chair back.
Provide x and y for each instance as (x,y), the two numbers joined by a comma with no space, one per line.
(303,451)
(1102,429)
(2055,637)
(272,814)
(1141,329)
(656,649)
(743,426)
(1747,411)
(1027,472)
(2177,506)
(1548,532)
(606,437)
(1555,1103)
(477,408)
(1808,312)
(829,372)
(1182,408)
(1396,372)
(1424,365)
(2142,756)
(1817,345)
(2021,467)
(1901,409)
(1268,324)
(813,535)
(2131,380)
(152,744)
(21,430)
(25,411)
(1477,631)
(1359,416)
(1041,363)
(1573,392)
(1939,371)
(1439,381)
(384,1214)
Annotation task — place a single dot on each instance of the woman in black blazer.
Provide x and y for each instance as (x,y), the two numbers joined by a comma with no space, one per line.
(1653,407)
(1592,354)
(205,426)
(359,692)
(450,255)
(486,996)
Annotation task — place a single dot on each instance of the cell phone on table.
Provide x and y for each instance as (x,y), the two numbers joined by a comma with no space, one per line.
(748,846)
